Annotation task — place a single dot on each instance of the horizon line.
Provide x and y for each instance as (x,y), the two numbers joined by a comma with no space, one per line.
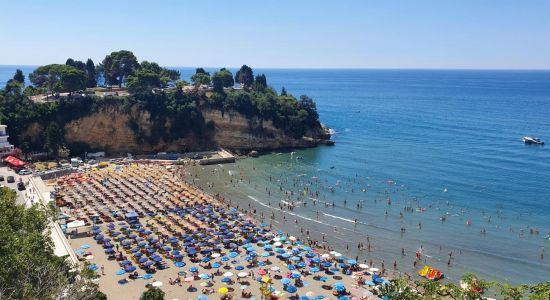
(339,68)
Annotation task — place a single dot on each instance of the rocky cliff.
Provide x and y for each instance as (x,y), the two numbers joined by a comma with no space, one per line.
(115,130)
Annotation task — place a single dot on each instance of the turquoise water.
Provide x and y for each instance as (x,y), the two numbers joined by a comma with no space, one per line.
(445,141)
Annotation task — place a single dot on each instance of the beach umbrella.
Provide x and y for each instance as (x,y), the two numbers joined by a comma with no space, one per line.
(85,246)
(148,264)
(285,281)
(227,274)
(193,269)
(130,269)
(109,250)
(204,276)
(120,272)
(344,298)
(275,268)
(226,279)
(265,254)
(242,274)
(285,255)
(215,255)
(261,272)
(295,258)
(216,265)
(233,254)
(188,279)
(325,255)
(138,254)
(291,289)
(223,290)
(157,284)
(314,269)
(374,270)
(238,268)
(142,260)
(338,286)
(98,237)
(125,262)
(179,264)
(363,266)
(89,257)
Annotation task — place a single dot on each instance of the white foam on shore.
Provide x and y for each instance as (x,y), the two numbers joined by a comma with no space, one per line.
(339,218)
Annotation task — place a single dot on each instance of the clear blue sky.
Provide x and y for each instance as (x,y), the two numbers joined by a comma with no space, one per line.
(480,34)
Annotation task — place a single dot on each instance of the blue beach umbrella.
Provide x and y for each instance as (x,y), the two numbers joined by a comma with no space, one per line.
(179,264)
(352,261)
(142,260)
(216,265)
(125,262)
(109,250)
(233,254)
(138,254)
(148,264)
(204,276)
(291,289)
(285,281)
(120,272)
(193,269)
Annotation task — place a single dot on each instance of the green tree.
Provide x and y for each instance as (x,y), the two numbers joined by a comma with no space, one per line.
(91,74)
(217,84)
(245,76)
(307,104)
(283,91)
(58,78)
(29,269)
(118,65)
(54,138)
(19,77)
(143,81)
(153,293)
(200,78)
(260,83)
(73,79)
(13,87)
(225,76)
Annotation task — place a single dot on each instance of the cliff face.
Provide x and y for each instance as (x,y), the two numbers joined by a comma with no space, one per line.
(116,131)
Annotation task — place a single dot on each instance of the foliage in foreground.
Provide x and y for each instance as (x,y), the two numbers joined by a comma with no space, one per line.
(28,267)
(474,288)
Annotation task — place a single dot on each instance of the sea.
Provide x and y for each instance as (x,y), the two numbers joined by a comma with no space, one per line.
(428,161)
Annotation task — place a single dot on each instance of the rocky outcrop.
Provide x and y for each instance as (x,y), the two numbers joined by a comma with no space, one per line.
(235,131)
(114,130)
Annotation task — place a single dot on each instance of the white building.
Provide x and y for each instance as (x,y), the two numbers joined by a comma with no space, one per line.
(5,147)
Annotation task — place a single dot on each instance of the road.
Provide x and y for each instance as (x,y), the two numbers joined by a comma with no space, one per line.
(5,171)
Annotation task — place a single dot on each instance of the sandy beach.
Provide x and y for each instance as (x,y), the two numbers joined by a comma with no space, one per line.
(181,234)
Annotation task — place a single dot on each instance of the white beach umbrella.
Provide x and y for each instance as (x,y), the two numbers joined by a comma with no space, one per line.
(363,266)
(292,238)
(242,274)
(326,255)
(275,268)
(157,284)
(374,269)
(277,244)
(227,274)
(276,239)
(337,254)
(216,255)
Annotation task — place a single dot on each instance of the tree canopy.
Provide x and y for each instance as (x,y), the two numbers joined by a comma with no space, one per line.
(118,65)
(200,77)
(58,78)
(19,77)
(29,269)
(143,81)
(245,76)
(225,76)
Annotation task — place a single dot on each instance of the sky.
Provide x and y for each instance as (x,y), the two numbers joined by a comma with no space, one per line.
(417,34)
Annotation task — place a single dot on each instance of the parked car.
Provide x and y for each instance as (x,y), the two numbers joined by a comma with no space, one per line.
(25,172)
(1,177)
(20,186)
(11,179)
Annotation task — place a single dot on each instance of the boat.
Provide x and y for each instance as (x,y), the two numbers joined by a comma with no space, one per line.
(530,140)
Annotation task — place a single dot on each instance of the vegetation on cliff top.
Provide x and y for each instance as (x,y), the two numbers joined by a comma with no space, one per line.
(154,89)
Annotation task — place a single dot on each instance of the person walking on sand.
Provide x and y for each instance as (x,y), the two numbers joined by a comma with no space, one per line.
(102,270)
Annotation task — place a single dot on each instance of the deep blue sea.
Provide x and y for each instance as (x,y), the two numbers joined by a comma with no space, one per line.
(447,144)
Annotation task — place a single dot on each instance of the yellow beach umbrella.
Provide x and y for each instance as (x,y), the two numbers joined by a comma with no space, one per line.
(223,290)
